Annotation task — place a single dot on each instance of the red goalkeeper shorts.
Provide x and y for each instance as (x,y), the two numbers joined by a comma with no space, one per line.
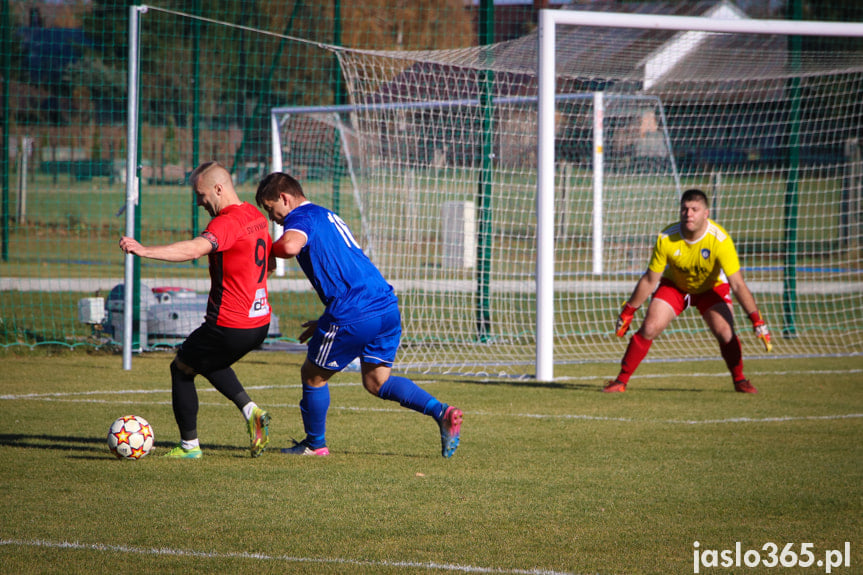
(679,300)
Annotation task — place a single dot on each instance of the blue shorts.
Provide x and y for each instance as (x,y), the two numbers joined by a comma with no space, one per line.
(374,340)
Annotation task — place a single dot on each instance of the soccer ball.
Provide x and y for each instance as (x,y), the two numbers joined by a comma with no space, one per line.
(130,437)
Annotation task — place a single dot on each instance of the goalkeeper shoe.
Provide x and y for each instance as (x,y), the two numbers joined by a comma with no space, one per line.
(450,430)
(179,453)
(743,386)
(303,448)
(614,386)
(259,431)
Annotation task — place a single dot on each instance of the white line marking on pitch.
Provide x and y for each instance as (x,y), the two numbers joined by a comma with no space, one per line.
(78,396)
(719,374)
(422,382)
(284,558)
(148,391)
(569,416)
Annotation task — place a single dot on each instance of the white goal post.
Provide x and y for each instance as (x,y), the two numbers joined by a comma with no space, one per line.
(549,20)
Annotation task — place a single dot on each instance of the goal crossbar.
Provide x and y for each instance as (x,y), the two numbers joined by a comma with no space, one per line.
(701,24)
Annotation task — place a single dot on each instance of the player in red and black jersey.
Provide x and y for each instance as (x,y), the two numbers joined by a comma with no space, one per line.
(237,243)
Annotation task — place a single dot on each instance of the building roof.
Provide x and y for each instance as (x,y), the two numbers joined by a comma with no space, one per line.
(658,62)
(648,57)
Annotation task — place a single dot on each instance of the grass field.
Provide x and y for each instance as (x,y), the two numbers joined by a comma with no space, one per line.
(549,478)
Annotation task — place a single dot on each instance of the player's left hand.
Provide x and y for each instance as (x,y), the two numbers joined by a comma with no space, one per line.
(129,245)
(760,328)
(307,334)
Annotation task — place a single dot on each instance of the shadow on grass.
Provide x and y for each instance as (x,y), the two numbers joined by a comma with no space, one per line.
(526,384)
(92,444)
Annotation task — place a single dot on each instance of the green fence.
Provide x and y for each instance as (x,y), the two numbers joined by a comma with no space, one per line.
(209,74)
(205,93)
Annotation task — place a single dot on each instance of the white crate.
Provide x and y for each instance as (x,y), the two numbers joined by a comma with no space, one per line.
(458,222)
(91,310)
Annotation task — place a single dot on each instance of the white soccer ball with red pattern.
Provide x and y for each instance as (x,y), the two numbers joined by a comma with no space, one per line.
(130,437)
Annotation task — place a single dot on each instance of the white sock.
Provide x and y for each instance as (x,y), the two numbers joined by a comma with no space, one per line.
(248,409)
(191,444)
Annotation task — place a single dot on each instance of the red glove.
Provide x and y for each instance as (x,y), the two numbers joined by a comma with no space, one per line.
(761,331)
(624,319)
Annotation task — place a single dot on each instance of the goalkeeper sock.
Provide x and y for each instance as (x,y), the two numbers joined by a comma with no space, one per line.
(636,351)
(313,408)
(733,356)
(410,395)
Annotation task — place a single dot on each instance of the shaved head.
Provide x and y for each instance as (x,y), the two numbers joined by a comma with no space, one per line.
(213,187)
(210,174)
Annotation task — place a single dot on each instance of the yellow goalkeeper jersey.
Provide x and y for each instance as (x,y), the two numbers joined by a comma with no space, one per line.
(698,266)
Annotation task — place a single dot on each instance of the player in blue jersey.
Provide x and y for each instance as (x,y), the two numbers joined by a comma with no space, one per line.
(361,316)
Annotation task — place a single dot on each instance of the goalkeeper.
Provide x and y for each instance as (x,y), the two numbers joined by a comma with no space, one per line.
(695,263)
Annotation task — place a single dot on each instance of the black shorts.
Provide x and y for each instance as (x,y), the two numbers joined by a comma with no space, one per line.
(212,347)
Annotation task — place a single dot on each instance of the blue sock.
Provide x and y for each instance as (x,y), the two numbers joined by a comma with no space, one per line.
(313,408)
(412,396)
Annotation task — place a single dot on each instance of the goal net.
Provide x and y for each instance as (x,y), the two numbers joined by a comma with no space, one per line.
(454,234)
(454,209)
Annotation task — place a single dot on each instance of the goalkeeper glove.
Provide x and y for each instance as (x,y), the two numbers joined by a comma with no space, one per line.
(624,320)
(761,331)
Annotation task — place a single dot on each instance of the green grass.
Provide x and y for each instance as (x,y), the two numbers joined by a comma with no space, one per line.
(550,477)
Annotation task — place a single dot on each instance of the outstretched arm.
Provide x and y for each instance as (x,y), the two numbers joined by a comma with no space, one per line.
(181,251)
(741,293)
(645,286)
(747,302)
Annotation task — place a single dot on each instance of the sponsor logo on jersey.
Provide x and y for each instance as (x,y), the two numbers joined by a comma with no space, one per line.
(260,307)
